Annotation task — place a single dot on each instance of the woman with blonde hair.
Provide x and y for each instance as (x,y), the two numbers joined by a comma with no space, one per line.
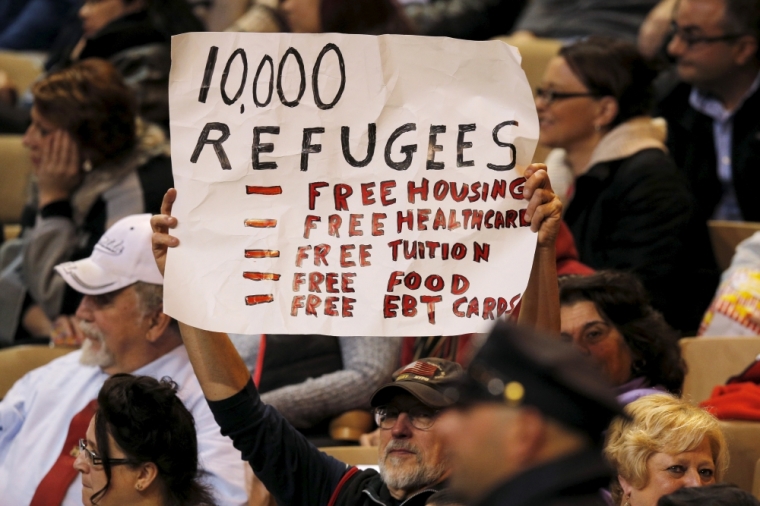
(667,444)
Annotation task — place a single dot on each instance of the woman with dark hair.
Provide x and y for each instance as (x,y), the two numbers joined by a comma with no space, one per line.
(135,36)
(607,316)
(629,205)
(94,164)
(141,447)
(371,17)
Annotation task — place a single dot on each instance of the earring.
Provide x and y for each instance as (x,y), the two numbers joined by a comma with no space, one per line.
(139,486)
(598,128)
(87,166)
(628,499)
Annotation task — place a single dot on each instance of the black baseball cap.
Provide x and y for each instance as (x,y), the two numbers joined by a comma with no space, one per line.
(430,380)
(519,367)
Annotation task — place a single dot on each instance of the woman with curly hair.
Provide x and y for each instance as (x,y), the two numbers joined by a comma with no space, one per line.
(607,315)
(141,447)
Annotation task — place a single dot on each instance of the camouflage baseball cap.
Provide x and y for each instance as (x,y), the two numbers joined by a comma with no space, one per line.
(427,379)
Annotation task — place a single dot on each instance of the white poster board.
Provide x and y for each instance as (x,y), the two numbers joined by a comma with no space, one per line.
(348,184)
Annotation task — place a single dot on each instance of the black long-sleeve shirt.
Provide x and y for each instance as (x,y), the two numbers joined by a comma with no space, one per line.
(293,470)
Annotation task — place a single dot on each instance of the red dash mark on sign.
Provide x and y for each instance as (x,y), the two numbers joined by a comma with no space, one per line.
(261,276)
(261,223)
(252,300)
(262,253)
(263,190)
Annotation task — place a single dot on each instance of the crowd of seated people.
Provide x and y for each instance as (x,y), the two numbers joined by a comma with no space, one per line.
(134,35)
(648,142)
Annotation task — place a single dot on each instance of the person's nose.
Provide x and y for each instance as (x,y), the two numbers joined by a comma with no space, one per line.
(402,429)
(80,463)
(30,138)
(692,479)
(84,11)
(580,345)
(85,308)
(676,47)
(541,103)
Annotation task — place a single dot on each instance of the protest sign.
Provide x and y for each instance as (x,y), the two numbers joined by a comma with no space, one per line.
(348,184)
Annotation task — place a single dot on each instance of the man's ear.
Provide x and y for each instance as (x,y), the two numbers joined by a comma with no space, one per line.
(531,432)
(746,49)
(608,109)
(159,322)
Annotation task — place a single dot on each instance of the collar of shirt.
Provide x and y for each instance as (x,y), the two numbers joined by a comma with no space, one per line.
(710,106)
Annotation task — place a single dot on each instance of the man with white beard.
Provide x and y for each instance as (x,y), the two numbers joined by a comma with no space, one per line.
(125,330)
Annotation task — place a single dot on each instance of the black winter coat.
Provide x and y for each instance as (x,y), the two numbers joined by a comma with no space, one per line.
(633,214)
(692,145)
(575,480)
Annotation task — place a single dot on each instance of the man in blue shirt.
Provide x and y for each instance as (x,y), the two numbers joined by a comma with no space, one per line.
(712,119)
(713,125)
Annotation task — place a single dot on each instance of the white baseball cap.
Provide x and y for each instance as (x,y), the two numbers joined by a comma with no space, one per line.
(121,257)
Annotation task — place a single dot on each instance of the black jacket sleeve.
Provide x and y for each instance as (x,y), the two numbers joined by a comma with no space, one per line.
(292,469)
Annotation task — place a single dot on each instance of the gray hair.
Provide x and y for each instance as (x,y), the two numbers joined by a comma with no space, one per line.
(150,297)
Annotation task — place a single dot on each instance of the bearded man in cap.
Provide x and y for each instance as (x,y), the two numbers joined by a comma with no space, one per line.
(527,426)
(47,411)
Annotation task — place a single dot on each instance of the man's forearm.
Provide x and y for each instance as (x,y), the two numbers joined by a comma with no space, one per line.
(540,303)
(217,364)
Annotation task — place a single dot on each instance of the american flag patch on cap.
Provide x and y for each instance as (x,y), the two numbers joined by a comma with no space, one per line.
(420,368)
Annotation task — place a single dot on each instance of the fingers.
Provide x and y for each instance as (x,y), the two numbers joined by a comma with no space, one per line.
(66,331)
(162,240)
(161,223)
(60,159)
(46,152)
(69,152)
(544,211)
(539,198)
(169,197)
(533,168)
(537,178)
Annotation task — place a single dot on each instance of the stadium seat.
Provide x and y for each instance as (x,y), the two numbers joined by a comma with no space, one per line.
(710,361)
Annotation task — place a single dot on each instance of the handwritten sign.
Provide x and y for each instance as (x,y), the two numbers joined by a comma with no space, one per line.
(348,184)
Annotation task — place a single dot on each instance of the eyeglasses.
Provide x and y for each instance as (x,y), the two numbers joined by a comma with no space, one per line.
(95,460)
(420,417)
(690,39)
(550,96)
